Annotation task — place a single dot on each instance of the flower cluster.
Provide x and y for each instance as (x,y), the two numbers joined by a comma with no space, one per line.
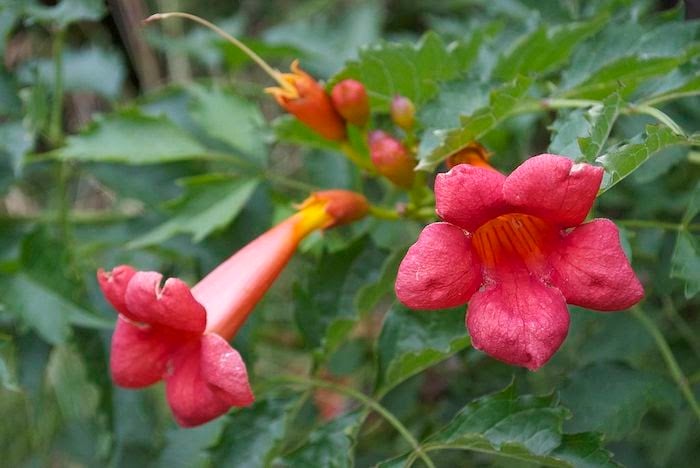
(517,250)
(168,331)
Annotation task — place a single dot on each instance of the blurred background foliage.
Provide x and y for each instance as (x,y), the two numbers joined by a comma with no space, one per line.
(156,147)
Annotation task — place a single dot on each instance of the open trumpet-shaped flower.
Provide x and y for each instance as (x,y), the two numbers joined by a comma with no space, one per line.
(179,334)
(306,99)
(516,250)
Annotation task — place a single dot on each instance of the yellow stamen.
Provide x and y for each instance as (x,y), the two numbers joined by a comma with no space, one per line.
(312,215)
(274,74)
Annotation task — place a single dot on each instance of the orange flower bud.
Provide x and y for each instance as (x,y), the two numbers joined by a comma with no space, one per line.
(391,159)
(473,154)
(309,103)
(403,112)
(338,207)
(351,101)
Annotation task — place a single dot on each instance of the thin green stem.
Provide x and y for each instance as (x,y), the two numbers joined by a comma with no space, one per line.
(670,97)
(657,114)
(681,325)
(381,212)
(652,224)
(356,158)
(55,131)
(368,402)
(669,358)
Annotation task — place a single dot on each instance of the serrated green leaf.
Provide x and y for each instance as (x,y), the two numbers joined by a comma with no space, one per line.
(566,129)
(677,84)
(412,341)
(324,304)
(188,447)
(503,102)
(685,261)
(370,294)
(612,398)
(231,119)
(87,69)
(66,12)
(628,54)
(624,74)
(46,311)
(132,138)
(622,161)
(330,445)
(328,40)
(210,202)
(413,71)
(601,118)
(67,375)
(290,129)
(584,450)
(544,49)
(523,427)
(252,434)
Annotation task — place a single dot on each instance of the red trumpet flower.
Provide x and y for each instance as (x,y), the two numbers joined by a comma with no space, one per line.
(179,334)
(515,249)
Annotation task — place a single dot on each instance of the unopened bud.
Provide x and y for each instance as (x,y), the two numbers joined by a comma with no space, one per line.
(403,112)
(340,206)
(473,154)
(391,158)
(350,100)
(308,102)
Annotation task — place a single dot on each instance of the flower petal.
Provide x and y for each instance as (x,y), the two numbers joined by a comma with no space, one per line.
(224,369)
(172,305)
(440,270)
(139,355)
(113,285)
(592,271)
(469,196)
(518,320)
(191,398)
(553,188)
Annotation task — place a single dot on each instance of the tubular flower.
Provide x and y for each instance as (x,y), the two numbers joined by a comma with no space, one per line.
(351,101)
(179,334)
(516,250)
(391,158)
(473,154)
(309,103)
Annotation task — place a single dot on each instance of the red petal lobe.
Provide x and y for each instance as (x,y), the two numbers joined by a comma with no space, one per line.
(440,270)
(113,285)
(469,196)
(139,355)
(224,369)
(592,271)
(518,320)
(191,399)
(554,188)
(172,306)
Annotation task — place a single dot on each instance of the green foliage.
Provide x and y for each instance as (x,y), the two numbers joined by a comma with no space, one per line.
(391,69)
(413,341)
(132,138)
(210,202)
(100,166)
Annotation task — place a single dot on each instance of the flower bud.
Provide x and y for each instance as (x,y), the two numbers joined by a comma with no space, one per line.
(403,112)
(391,158)
(339,206)
(309,103)
(474,153)
(350,100)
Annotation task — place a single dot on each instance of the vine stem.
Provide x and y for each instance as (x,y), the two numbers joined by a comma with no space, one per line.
(368,402)
(671,362)
(356,158)
(55,131)
(274,74)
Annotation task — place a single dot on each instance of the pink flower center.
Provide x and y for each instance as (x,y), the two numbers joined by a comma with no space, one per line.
(514,240)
